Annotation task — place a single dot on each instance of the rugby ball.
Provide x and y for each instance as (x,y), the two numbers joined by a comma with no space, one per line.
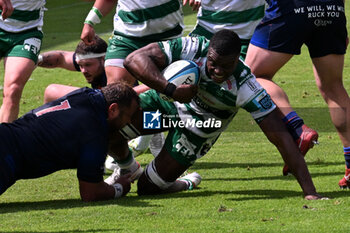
(181,72)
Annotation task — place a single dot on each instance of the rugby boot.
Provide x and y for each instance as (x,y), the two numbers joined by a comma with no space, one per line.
(344,183)
(193,179)
(118,172)
(306,141)
(111,163)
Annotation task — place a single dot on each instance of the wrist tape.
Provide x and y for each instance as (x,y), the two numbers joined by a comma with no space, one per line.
(118,188)
(94,17)
(169,89)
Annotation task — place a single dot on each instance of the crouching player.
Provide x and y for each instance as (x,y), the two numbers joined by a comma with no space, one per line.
(75,131)
(226,85)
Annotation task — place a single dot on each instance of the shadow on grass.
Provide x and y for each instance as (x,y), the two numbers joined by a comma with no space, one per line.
(67,231)
(13,207)
(246,195)
(144,201)
(219,165)
(263,194)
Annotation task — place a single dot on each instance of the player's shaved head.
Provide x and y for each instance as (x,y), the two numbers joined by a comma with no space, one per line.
(225,42)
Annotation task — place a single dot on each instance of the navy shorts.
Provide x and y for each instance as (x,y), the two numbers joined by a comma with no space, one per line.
(321,27)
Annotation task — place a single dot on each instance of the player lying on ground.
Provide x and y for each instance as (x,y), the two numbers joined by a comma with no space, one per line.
(226,85)
(75,131)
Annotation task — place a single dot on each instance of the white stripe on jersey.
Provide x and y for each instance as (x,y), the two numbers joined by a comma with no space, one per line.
(149,27)
(244,30)
(13,25)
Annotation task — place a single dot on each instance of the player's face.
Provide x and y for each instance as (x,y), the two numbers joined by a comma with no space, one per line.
(124,116)
(220,68)
(91,68)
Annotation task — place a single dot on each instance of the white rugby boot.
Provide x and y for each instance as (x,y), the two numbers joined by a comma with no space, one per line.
(193,179)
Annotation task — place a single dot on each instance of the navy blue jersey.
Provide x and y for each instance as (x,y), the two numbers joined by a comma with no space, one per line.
(288,24)
(280,7)
(70,132)
(98,82)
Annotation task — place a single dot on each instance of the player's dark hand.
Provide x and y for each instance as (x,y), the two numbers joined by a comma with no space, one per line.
(125,182)
(185,93)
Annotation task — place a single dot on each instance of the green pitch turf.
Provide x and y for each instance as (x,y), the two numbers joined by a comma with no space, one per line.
(242,190)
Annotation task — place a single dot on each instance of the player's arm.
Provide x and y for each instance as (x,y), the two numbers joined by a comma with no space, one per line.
(54,59)
(101,8)
(103,191)
(277,133)
(6,8)
(145,65)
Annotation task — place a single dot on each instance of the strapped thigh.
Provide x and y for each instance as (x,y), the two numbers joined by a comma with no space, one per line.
(153,176)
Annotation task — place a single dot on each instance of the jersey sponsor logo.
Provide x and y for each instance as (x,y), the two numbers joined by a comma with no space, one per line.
(62,106)
(190,47)
(252,86)
(249,76)
(185,147)
(320,22)
(32,45)
(266,102)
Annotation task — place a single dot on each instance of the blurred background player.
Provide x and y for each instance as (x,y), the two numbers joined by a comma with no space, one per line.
(240,16)
(75,131)
(321,26)
(20,43)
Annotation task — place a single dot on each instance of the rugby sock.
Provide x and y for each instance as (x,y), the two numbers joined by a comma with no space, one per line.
(347,156)
(128,163)
(294,124)
(142,142)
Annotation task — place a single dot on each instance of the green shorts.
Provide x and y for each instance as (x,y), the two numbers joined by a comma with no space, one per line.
(119,47)
(24,44)
(184,146)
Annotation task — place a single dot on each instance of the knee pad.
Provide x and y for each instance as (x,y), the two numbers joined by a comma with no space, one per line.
(153,176)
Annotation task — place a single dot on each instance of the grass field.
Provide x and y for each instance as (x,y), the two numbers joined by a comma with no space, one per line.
(242,190)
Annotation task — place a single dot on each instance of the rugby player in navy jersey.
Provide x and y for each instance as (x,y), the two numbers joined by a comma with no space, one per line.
(321,26)
(75,131)
(87,59)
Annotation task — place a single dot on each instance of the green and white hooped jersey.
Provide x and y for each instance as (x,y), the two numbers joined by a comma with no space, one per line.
(150,20)
(217,102)
(27,14)
(240,16)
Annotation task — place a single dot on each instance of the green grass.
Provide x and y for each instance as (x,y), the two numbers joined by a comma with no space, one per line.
(242,190)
